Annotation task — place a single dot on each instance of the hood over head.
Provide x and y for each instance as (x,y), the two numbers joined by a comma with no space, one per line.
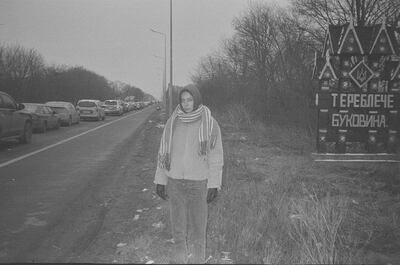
(194,91)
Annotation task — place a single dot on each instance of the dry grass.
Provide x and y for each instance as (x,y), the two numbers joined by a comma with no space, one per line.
(278,206)
(136,249)
(315,227)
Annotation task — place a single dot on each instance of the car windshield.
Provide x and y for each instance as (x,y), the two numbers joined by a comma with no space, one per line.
(110,102)
(30,108)
(59,109)
(86,104)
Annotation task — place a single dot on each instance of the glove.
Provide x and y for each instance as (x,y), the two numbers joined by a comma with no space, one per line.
(160,190)
(211,194)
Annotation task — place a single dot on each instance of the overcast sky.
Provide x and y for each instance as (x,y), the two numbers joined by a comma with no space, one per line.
(113,37)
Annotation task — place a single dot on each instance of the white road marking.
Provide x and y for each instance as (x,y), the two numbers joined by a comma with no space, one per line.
(353,154)
(356,160)
(63,141)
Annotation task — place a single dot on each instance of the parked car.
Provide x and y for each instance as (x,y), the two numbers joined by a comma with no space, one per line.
(90,109)
(43,117)
(125,106)
(131,105)
(113,106)
(138,105)
(135,106)
(68,114)
(15,122)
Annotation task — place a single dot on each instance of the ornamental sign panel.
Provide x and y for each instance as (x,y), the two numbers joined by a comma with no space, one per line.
(358,97)
(361,74)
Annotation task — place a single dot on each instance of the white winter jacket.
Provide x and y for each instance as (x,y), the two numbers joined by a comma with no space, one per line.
(186,163)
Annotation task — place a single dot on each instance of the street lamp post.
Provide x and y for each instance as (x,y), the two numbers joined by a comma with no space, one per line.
(170,58)
(165,66)
(171,86)
(163,80)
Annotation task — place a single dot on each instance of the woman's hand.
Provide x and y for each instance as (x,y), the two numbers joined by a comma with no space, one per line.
(161,192)
(211,194)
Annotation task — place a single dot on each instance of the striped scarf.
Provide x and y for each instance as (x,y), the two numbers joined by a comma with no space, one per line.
(207,133)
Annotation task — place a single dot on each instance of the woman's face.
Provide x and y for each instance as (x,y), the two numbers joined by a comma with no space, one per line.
(187,102)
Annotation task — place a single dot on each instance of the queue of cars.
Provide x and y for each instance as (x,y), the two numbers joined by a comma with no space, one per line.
(19,120)
(119,107)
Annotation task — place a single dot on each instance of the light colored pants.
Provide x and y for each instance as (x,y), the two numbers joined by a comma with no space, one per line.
(188,211)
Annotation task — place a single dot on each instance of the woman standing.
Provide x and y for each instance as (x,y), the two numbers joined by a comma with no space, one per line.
(189,172)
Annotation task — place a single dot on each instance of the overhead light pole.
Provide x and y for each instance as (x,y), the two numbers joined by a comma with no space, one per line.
(170,58)
(164,98)
(163,80)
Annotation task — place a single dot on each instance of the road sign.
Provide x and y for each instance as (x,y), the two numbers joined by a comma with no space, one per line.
(358,97)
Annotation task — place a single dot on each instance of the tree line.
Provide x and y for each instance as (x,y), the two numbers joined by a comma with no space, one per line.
(25,75)
(267,64)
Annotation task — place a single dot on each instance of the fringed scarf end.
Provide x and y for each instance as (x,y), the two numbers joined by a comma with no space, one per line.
(164,161)
(203,148)
(213,141)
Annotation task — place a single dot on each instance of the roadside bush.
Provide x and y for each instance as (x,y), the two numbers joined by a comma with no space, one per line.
(236,115)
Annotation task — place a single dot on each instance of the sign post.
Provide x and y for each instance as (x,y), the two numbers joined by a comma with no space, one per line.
(358,97)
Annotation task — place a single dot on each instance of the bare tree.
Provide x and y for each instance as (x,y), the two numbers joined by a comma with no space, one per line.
(21,69)
(333,12)
(23,74)
(20,63)
(266,65)
(212,76)
(255,30)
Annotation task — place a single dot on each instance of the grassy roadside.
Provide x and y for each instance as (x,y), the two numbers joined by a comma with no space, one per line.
(278,206)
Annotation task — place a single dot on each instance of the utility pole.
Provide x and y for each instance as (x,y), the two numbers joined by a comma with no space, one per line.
(171,85)
(163,80)
(164,97)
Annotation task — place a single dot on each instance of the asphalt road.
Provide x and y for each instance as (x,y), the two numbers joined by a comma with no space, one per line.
(44,184)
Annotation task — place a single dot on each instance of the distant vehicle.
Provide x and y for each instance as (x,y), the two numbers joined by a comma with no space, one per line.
(67,112)
(15,122)
(125,106)
(43,117)
(136,105)
(139,105)
(131,105)
(90,109)
(158,107)
(113,106)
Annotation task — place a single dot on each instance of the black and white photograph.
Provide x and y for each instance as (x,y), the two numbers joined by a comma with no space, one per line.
(200,131)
